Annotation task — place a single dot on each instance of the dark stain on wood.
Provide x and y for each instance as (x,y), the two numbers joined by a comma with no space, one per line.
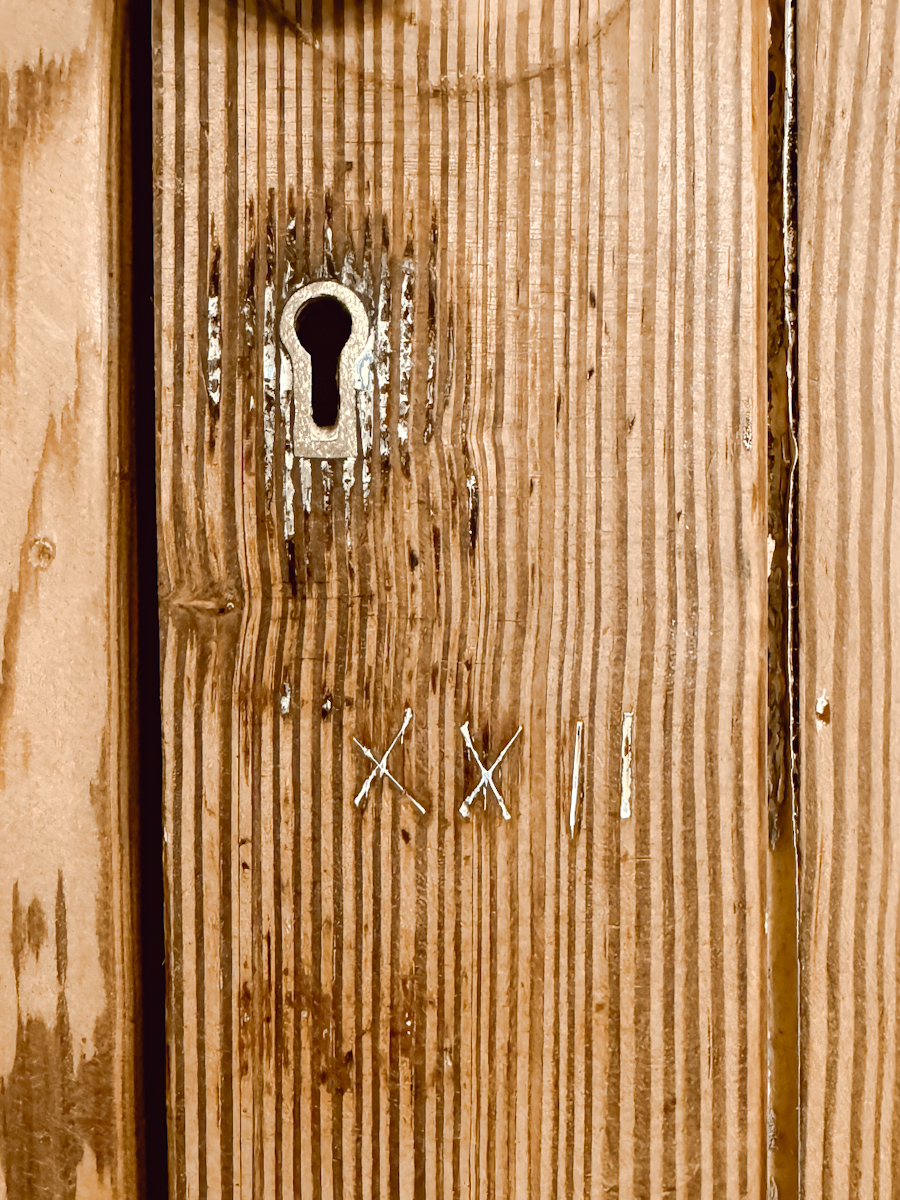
(473,510)
(214,350)
(36,92)
(50,1110)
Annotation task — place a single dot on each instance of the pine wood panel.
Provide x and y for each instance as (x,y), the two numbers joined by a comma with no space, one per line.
(555,215)
(67,1107)
(850,600)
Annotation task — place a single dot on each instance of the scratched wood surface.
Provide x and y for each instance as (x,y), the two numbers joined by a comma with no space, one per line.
(850,599)
(66,938)
(555,216)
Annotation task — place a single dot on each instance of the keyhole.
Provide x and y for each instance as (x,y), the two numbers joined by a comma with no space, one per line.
(323,328)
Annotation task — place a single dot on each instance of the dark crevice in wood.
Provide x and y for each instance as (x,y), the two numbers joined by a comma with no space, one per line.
(141,424)
(783,1042)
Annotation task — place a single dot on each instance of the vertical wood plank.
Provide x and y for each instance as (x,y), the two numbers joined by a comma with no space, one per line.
(67,929)
(848,687)
(555,216)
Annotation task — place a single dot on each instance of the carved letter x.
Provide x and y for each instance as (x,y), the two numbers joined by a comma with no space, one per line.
(487,775)
(381,771)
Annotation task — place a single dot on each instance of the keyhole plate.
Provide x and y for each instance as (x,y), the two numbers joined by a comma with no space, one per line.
(312,440)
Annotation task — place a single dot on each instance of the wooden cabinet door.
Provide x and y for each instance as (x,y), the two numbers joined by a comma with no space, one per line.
(548,545)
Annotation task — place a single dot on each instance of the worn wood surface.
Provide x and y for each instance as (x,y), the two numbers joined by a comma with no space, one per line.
(66,938)
(849,207)
(556,215)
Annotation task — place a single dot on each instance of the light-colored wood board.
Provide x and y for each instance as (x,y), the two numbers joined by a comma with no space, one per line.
(557,214)
(849,206)
(67,1109)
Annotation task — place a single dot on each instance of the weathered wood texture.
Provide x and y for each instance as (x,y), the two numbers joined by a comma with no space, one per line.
(849,207)
(556,214)
(66,938)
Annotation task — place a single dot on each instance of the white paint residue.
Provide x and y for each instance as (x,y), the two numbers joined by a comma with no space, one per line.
(406,341)
(471,488)
(627,765)
(349,275)
(286,697)
(365,379)
(269,381)
(306,484)
(269,345)
(383,354)
(348,477)
(381,771)
(327,483)
(487,774)
(823,711)
(248,312)
(429,387)
(365,407)
(747,436)
(287,392)
(576,778)
(770,545)
(213,351)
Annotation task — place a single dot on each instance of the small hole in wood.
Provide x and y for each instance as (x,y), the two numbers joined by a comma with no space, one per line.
(323,328)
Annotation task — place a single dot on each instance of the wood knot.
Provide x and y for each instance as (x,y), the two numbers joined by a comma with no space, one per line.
(42,553)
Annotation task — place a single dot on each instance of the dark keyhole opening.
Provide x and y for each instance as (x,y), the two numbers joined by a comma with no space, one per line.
(323,327)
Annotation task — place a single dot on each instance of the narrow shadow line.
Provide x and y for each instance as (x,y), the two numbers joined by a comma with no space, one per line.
(151,1083)
(783,1149)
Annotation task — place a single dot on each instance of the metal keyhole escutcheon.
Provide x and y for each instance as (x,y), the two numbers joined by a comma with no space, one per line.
(324,329)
